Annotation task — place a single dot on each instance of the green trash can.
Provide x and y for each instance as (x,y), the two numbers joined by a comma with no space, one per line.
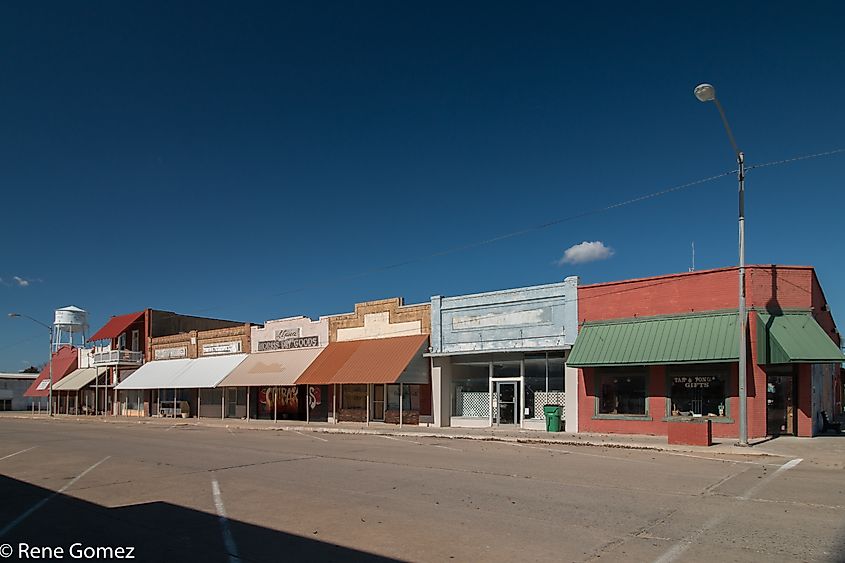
(553,415)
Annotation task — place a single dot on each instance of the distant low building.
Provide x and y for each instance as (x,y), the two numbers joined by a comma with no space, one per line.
(12,388)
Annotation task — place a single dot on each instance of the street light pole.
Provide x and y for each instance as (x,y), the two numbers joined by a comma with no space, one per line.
(707,93)
(48,327)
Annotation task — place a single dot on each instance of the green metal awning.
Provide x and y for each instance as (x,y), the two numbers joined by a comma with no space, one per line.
(677,339)
(794,338)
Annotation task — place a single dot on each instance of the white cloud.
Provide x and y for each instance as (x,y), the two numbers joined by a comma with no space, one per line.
(586,252)
(20,281)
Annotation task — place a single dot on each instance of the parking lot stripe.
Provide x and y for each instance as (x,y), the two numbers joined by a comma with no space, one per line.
(16,453)
(681,546)
(399,439)
(308,436)
(228,538)
(13,524)
(785,467)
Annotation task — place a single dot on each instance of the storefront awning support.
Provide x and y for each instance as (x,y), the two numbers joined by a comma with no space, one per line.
(247,403)
(401,402)
(275,406)
(334,402)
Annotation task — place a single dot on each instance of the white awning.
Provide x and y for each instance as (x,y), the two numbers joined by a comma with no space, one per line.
(207,372)
(78,379)
(159,374)
(201,373)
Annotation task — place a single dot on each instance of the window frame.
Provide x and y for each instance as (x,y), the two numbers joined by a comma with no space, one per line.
(638,371)
(724,370)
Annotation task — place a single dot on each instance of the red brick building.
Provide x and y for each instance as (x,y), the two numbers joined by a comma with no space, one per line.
(658,350)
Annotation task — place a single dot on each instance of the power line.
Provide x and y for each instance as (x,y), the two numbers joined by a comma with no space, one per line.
(524,231)
(498,238)
(795,159)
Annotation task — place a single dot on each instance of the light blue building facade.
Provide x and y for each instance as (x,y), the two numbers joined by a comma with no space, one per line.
(499,357)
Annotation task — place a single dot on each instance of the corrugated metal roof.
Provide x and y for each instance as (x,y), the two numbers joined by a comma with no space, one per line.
(207,372)
(282,367)
(159,374)
(64,362)
(78,379)
(696,338)
(794,338)
(116,326)
(202,373)
(379,360)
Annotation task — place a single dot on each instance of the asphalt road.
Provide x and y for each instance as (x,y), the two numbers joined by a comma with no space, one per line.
(188,493)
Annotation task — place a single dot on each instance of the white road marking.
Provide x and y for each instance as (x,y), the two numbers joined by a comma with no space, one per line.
(555,450)
(418,443)
(13,524)
(309,436)
(16,453)
(228,538)
(762,483)
(399,439)
(576,452)
(680,547)
(680,454)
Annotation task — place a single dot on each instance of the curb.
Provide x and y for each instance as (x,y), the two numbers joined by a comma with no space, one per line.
(399,433)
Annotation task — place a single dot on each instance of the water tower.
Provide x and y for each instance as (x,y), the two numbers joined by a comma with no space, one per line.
(70,327)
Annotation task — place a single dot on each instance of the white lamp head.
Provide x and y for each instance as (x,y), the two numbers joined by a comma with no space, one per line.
(705,92)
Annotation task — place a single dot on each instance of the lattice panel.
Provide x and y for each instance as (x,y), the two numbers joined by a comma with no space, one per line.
(474,403)
(543,398)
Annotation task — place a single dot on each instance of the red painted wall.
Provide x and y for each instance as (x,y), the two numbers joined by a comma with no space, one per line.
(767,287)
(787,287)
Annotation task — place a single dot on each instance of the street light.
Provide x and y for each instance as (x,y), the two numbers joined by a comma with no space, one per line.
(48,327)
(707,93)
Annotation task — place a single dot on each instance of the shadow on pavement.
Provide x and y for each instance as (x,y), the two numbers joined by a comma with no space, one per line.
(159,531)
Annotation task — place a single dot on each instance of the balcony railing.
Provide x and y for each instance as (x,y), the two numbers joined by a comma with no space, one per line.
(118,357)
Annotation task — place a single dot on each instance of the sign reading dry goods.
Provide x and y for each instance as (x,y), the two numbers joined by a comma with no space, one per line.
(289,343)
(171,353)
(221,348)
(288,339)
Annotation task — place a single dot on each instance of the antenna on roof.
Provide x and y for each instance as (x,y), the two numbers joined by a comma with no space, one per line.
(692,267)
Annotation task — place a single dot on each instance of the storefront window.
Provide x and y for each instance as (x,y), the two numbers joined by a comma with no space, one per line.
(470,390)
(354,397)
(506,369)
(543,382)
(536,384)
(556,371)
(410,398)
(698,391)
(622,392)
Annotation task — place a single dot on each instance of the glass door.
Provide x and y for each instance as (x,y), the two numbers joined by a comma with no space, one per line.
(780,412)
(378,402)
(231,402)
(507,402)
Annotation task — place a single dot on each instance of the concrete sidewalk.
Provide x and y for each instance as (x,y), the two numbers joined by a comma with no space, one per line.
(786,447)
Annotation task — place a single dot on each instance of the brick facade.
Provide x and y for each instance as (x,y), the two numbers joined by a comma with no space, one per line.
(769,288)
(194,340)
(395,308)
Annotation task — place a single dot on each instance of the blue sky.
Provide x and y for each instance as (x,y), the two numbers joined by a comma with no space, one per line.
(245,160)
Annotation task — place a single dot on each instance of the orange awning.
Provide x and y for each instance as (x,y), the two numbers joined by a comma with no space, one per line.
(380,360)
